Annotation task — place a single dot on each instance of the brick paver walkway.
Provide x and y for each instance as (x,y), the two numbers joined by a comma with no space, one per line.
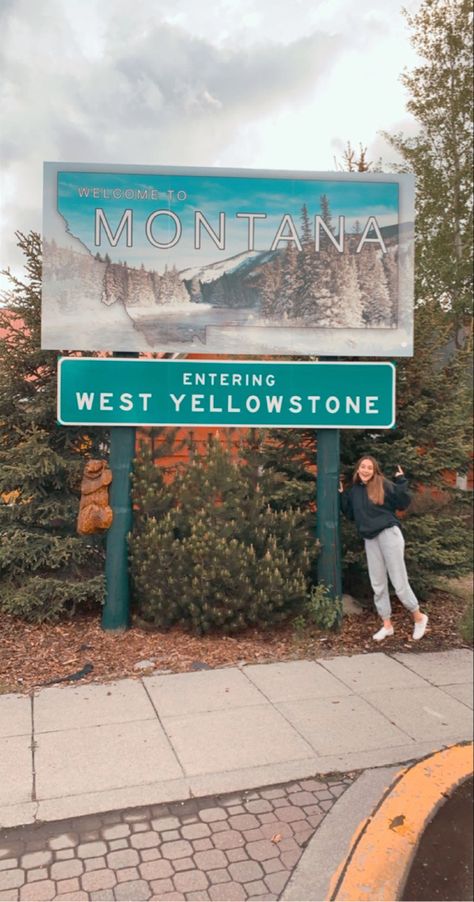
(240,846)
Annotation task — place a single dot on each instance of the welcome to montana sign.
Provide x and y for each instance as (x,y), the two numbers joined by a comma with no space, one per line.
(227,261)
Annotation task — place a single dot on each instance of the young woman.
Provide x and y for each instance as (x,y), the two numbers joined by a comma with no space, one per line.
(371,502)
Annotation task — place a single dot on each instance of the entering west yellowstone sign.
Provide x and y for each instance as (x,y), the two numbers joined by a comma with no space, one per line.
(116,392)
(227,261)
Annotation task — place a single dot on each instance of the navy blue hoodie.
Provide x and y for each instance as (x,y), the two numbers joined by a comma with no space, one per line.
(371,518)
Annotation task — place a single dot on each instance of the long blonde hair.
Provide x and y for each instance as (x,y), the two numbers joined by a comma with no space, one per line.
(376,485)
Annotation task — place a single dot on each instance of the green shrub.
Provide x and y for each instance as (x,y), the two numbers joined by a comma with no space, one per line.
(437,547)
(320,609)
(217,556)
(46,569)
(47,600)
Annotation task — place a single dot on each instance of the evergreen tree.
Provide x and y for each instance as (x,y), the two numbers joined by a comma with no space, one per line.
(151,479)
(440,154)
(214,292)
(156,283)
(432,437)
(347,308)
(306,232)
(305,303)
(195,290)
(285,306)
(375,295)
(115,284)
(231,291)
(269,286)
(174,289)
(431,440)
(282,464)
(391,261)
(46,569)
(140,289)
(326,262)
(218,556)
(326,213)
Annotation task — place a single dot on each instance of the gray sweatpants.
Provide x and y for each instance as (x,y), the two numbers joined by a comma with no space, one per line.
(385,558)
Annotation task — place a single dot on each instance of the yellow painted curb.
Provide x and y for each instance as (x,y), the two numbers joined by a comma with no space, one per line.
(383,847)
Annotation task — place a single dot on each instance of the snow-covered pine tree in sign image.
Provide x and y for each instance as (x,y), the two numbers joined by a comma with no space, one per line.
(140,289)
(391,263)
(115,284)
(289,285)
(346,309)
(376,302)
(173,290)
(306,303)
(321,287)
(269,286)
(325,263)
(195,290)
(215,293)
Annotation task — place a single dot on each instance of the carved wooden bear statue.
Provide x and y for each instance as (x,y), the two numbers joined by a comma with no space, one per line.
(95,514)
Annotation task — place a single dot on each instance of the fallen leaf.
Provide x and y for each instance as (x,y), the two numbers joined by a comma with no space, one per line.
(277,837)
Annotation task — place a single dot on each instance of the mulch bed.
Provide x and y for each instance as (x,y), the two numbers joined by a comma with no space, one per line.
(34,655)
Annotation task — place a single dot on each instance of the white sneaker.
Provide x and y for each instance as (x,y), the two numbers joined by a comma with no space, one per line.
(420,628)
(382,634)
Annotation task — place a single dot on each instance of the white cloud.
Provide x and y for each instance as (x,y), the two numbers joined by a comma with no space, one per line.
(235,82)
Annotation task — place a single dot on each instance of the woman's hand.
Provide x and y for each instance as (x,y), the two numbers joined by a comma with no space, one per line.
(341,487)
(399,471)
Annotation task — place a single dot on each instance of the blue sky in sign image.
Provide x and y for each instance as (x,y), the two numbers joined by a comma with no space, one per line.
(184,194)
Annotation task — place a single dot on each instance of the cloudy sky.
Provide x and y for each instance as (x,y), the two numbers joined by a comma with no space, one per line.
(274,84)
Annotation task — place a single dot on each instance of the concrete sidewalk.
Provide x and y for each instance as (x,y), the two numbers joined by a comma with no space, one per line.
(67,752)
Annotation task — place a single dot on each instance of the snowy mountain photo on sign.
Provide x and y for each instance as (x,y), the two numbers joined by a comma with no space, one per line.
(186,259)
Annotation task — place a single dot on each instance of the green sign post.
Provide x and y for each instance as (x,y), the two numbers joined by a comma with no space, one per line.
(327,506)
(140,392)
(115,615)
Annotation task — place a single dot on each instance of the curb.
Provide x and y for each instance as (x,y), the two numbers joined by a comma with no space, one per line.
(383,846)
(332,841)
